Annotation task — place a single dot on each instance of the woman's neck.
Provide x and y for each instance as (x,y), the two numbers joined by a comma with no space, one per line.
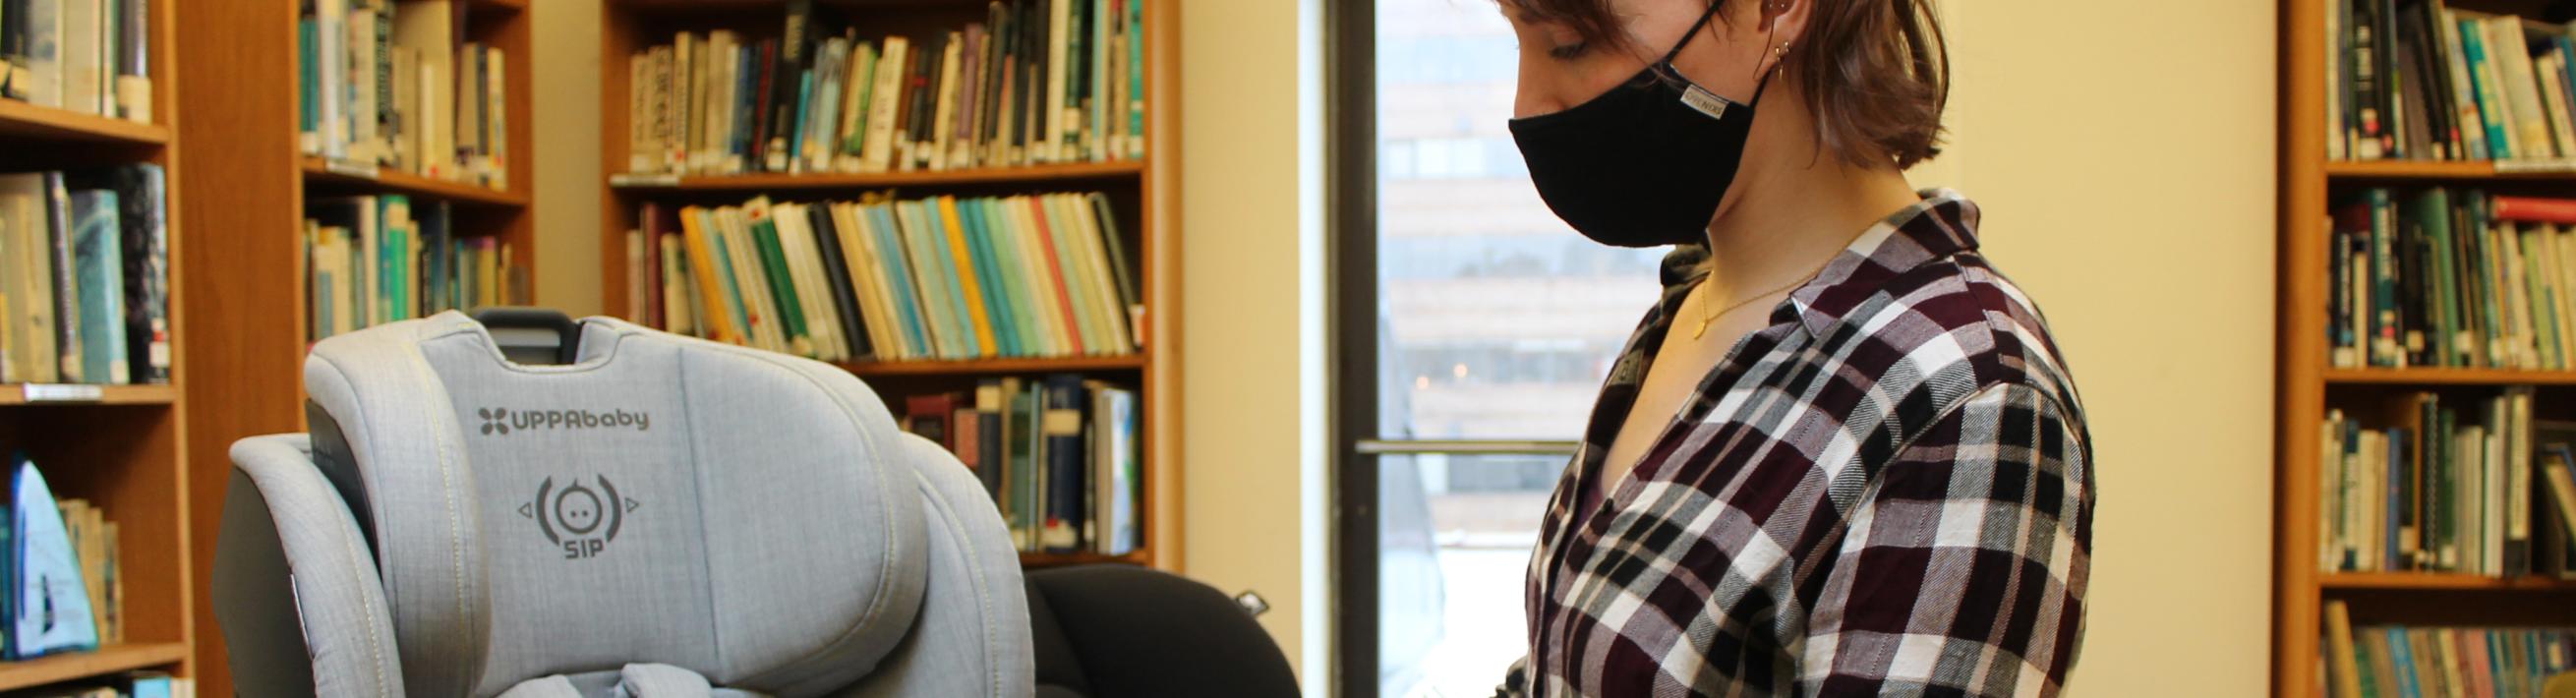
(1795,212)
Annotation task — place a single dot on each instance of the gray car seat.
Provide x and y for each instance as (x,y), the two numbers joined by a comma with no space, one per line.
(620,512)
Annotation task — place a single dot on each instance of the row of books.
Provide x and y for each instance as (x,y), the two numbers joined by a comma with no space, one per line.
(2452,278)
(937,278)
(2443,486)
(66,590)
(2416,79)
(1039,81)
(378,259)
(88,56)
(84,277)
(387,83)
(1062,456)
(2398,661)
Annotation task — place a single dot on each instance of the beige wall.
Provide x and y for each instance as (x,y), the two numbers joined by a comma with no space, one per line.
(2127,181)
(566,72)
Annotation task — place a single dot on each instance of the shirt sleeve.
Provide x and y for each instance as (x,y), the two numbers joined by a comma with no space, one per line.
(1962,570)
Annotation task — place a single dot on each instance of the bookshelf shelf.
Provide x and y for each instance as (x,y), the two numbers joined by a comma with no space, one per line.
(503,5)
(322,174)
(1073,364)
(2436,581)
(1037,560)
(2446,376)
(81,665)
(2559,170)
(18,394)
(1121,169)
(27,121)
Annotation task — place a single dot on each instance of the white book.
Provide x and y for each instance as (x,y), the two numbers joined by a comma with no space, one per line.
(2553,92)
(331,31)
(22,219)
(935,155)
(2517,521)
(664,104)
(498,117)
(857,77)
(679,289)
(2329,504)
(639,96)
(879,153)
(2510,48)
(1113,305)
(362,85)
(825,112)
(83,75)
(2464,99)
(1047,143)
(683,103)
(1004,230)
(724,86)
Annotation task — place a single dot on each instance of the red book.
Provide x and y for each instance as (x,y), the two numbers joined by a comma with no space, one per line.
(2532,209)
(933,417)
(758,157)
(1055,272)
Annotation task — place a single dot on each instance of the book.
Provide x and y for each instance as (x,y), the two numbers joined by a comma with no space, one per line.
(97,251)
(1065,398)
(52,613)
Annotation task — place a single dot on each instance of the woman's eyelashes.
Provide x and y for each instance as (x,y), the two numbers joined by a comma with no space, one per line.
(1568,52)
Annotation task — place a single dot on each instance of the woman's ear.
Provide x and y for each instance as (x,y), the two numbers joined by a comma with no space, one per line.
(1782,21)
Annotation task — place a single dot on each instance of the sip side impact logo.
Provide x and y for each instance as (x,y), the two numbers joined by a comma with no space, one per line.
(500,421)
(579,518)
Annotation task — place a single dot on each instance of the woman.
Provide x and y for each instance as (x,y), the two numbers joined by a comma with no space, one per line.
(1842,456)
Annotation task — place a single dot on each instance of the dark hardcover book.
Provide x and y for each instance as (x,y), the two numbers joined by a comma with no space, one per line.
(845,305)
(2384,27)
(144,192)
(747,74)
(388,119)
(134,38)
(1071,144)
(1027,446)
(2411,287)
(58,239)
(2436,59)
(925,99)
(991,433)
(2362,68)
(13,46)
(650,225)
(794,45)
(997,59)
(933,417)
(437,257)
(2427,83)
(762,111)
(1033,89)
(1066,400)
(2413,139)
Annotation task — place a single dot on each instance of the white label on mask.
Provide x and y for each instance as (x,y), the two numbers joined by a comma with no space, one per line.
(1705,101)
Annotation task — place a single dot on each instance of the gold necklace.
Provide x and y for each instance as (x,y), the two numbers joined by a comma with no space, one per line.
(1705,318)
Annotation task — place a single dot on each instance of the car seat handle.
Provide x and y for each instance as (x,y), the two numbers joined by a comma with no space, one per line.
(531,335)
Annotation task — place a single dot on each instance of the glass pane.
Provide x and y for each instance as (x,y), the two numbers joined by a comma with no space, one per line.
(1454,539)
(1499,321)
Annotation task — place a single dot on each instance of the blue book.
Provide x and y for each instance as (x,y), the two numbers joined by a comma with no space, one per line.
(938,273)
(2403,656)
(997,295)
(747,75)
(896,259)
(149,684)
(937,236)
(999,234)
(804,102)
(309,73)
(53,611)
(2473,42)
(99,260)
(2391,557)
(928,292)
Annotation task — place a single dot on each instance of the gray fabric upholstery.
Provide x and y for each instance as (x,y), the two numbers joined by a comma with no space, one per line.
(972,640)
(343,615)
(748,519)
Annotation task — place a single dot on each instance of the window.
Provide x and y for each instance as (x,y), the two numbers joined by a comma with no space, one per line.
(1474,329)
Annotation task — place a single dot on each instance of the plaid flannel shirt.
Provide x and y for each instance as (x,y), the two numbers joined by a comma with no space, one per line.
(1888,490)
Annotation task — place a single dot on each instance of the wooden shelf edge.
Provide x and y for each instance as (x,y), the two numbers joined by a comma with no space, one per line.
(2562,168)
(1038,559)
(81,665)
(503,5)
(26,119)
(389,181)
(2438,581)
(2446,376)
(996,366)
(16,394)
(1114,169)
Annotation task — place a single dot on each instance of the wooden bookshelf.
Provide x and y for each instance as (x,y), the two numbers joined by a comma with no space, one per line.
(119,446)
(2306,387)
(254,187)
(1144,191)
(106,661)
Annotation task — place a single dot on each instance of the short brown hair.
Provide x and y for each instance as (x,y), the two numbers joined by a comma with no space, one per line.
(1876,73)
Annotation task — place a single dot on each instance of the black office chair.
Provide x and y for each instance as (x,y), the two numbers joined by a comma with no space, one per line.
(1121,631)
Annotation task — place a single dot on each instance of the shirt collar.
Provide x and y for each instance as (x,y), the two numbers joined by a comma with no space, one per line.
(1942,224)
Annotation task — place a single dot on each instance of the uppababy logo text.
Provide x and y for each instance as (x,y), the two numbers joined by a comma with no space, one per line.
(499,421)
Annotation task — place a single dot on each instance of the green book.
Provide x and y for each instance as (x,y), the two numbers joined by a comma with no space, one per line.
(782,290)
(2440,292)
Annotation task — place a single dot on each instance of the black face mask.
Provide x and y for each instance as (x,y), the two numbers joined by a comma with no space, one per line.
(1644,164)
